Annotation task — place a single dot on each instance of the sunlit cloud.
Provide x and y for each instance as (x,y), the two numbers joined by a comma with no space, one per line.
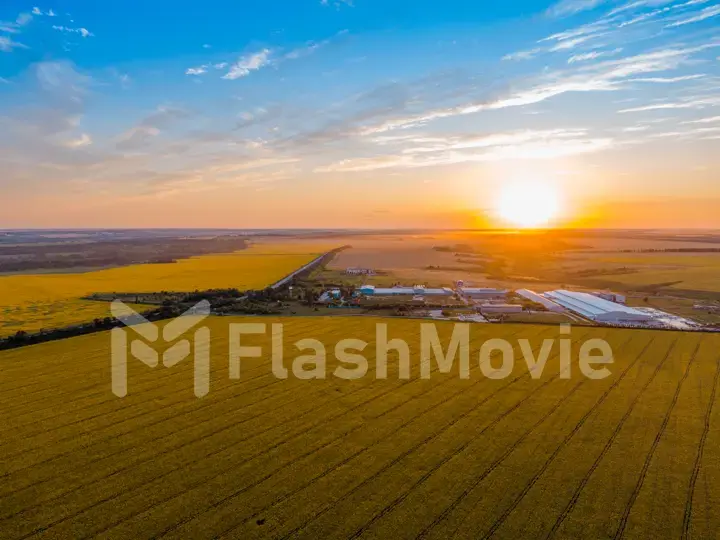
(82,140)
(688,104)
(529,145)
(708,120)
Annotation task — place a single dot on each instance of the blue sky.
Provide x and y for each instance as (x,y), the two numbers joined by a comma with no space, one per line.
(364,113)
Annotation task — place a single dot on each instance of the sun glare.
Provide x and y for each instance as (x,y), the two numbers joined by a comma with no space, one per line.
(528,204)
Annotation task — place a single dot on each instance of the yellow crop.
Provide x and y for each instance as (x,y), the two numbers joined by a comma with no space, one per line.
(633,455)
(31,302)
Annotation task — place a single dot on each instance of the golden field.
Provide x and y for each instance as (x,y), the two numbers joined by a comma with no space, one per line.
(34,315)
(32,302)
(635,455)
(697,272)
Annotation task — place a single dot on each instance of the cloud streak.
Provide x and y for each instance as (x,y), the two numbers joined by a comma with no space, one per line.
(441,151)
(565,8)
(84,32)
(707,13)
(8,45)
(247,64)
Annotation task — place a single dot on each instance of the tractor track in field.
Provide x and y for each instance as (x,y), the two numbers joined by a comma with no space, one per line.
(176,525)
(266,450)
(499,460)
(396,502)
(138,428)
(190,410)
(215,452)
(74,391)
(658,437)
(699,456)
(501,519)
(172,449)
(3,391)
(132,447)
(115,411)
(576,495)
(445,460)
(345,461)
(411,450)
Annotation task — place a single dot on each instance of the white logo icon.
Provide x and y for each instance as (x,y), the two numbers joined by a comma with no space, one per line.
(151,333)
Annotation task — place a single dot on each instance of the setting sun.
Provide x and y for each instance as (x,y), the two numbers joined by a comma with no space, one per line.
(528,204)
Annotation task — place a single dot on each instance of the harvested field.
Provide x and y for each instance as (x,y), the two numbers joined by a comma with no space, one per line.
(636,455)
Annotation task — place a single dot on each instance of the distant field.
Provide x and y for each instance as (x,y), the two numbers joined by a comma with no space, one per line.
(634,456)
(30,302)
(699,272)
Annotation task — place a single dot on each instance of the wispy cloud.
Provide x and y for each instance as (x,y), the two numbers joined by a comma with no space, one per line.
(84,32)
(337,3)
(196,71)
(15,27)
(150,127)
(306,50)
(635,129)
(712,11)
(439,151)
(48,13)
(709,120)
(605,76)
(594,55)
(522,55)
(83,140)
(248,64)
(311,47)
(7,44)
(570,7)
(568,44)
(201,70)
(663,80)
(699,103)
(23,19)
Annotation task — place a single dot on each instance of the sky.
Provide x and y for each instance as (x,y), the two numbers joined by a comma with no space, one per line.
(358,113)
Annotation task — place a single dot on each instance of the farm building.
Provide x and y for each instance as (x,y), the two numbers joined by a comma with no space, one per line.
(539,299)
(483,293)
(597,309)
(360,271)
(610,296)
(417,290)
(500,308)
(330,296)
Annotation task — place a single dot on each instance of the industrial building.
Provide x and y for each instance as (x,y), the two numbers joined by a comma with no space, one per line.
(500,308)
(476,293)
(539,299)
(610,296)
(360,271)
(417,290)
(597,309)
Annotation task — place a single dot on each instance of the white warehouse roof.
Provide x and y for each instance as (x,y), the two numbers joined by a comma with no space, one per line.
(595,308)
(538,299)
